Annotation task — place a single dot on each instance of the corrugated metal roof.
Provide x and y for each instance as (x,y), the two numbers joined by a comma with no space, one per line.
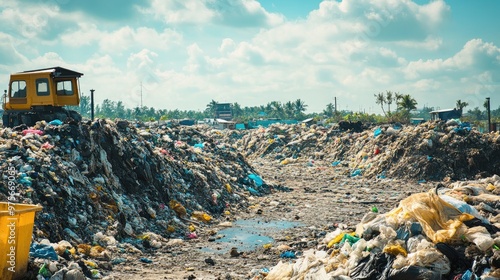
(57,70)
(441,111)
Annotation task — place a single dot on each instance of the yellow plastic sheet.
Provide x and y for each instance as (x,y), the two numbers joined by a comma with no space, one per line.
(441,222)
(395,249)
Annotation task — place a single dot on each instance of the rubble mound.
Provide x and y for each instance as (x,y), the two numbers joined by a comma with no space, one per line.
(116,178)
(429,151)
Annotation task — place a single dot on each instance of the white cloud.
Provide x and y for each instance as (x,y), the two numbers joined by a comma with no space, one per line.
(227,45)
(432,13)
(430,44)
(475,56)
(196,59)
(142,60)
(181,11)
(8,51)
(127,38)
(385,20)
(247,13)
(28,22)
(87,34)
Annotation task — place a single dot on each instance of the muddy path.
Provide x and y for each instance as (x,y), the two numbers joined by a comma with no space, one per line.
(321,198)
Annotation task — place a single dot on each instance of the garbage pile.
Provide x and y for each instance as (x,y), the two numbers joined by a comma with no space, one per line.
(446,233)
(103,183)
(429,151)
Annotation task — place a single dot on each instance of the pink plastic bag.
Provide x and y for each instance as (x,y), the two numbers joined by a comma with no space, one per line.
(34,131)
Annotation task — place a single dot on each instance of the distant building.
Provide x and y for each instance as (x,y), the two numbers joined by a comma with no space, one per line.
(416,121)
(224,111)
(224,124)
(445,114)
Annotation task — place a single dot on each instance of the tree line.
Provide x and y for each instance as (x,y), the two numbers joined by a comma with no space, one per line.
(396,107)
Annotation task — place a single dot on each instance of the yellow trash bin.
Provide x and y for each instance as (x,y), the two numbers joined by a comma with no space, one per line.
(16,229)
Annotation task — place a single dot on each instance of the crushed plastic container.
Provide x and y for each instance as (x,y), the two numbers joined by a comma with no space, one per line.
(16,224)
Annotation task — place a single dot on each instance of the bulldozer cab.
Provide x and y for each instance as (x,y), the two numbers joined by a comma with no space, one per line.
(42,89)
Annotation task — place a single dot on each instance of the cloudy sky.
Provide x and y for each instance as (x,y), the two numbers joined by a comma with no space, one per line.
(187,52)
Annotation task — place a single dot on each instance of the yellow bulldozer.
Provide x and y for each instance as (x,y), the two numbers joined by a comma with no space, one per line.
(41,94)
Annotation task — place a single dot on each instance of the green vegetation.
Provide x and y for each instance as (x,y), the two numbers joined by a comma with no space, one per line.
(406,108)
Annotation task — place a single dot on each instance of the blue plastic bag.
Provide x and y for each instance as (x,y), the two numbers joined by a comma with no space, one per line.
(56,122)
(43,251)
(256,178)
(356,172)
(200,145)
(288,255)
(377,132)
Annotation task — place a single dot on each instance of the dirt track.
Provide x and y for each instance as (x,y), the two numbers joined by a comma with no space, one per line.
(323,198)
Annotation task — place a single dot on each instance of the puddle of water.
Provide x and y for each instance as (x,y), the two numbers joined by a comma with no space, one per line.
(247,235)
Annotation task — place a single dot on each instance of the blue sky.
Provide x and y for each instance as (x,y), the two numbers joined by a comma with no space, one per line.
(187,52)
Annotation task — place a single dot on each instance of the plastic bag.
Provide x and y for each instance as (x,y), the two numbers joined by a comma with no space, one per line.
(425,256)
(43,251)
(373,266)
(480,237)
(257,179)
(395,250)
(414,273)
(464,207)
(282,271)
(441,222)
(56,122)
(32,131)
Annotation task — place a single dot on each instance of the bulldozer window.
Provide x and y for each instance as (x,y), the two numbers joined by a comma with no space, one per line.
(42,87)
(18,89)
(64,88)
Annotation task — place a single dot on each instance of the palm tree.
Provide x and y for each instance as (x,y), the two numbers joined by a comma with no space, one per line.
(277,109)
(407,103)
(397,96)
(211,108)
(289,109)
(380,100)
(300,108)
(330,110)
(268,109)
(461,105)
(237,111)
(389,99)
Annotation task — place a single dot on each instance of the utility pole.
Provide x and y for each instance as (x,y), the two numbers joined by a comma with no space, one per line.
(141,94)
(335,98)
(489,113)
(92,104)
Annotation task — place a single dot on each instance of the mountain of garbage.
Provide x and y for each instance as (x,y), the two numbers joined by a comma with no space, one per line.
(106,176)
(431,151)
